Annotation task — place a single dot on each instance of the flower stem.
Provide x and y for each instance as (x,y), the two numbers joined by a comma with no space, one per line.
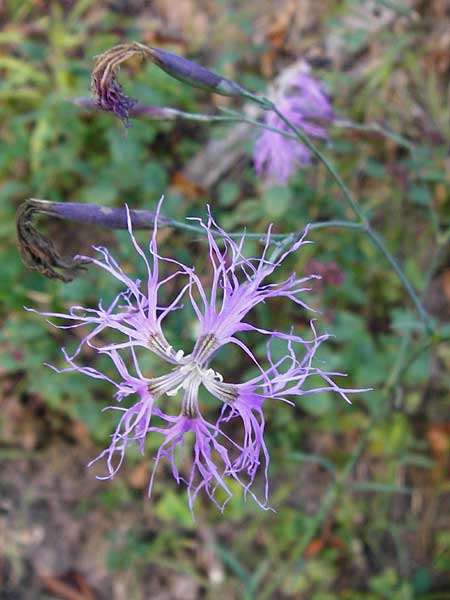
(39,253)
(376,239)
(116,218)
(342,224)
(364,223)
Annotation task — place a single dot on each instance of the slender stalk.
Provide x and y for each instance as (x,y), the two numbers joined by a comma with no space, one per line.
(341,224)
(374,128)
(40,254)
(379,243)
(116,218)
(166,113)
(302,137)
(372,234)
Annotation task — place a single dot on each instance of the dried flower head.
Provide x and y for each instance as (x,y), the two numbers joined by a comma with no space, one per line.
(304,102)
(222,303)
(107,91)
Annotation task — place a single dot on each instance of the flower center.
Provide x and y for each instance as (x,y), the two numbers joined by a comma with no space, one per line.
(189,374)
(193,376)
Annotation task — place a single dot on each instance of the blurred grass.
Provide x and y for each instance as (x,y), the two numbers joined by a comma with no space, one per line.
(384,535)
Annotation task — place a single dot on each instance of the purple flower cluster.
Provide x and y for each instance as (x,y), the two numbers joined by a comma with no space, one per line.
(222,302)
(304,102)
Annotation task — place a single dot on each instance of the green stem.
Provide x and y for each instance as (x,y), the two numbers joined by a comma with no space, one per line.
(379,243)
(374,128)
(237,117)
(275,236)
(373,235)
(299,135)
(188,116)
(302,137)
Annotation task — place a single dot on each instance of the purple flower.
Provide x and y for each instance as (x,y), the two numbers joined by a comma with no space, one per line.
(304,102)
(234,287)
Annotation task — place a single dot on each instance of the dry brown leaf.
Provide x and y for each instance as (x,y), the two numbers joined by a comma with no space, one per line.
(445,280)
(189,189)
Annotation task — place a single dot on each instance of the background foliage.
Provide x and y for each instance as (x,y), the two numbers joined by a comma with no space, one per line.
(361,492)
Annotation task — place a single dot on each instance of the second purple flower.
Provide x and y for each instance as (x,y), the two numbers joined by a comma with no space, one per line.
(302,99)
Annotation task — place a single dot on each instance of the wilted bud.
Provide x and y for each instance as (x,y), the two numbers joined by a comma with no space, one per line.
(107,91)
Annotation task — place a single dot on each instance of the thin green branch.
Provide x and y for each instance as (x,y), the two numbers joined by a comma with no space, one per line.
(40,254)
(336,223)
(375,128)
(379,243)
(302,137)
(237,117)
(373,235)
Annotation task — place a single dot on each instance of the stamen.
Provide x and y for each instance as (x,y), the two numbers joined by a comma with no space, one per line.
(225,392)
(158,344)
(190,401)
(213,374)
(204,348)
(167,383)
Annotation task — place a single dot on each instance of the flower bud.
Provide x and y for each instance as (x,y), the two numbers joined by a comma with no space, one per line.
(194,74)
